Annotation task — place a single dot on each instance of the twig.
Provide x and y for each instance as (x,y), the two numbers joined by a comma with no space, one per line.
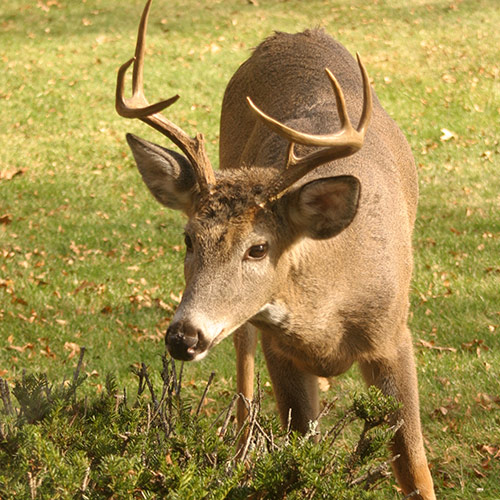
(149,384)
(5,394)
(34,484)
(148,425)
(412,494)
(142,383)
(251,423)
(373,475)
(289,424)
(327,408)
(228,411)
(339,426)
(200,404)
(269,439)
(179,381)
(76,373)
(86,478)
(245,423)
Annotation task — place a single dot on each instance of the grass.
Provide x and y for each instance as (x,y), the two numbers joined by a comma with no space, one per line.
(89,258)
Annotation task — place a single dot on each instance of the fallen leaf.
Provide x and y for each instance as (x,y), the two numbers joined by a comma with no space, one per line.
(324,384)
(6,219)
(73,348)
(23,348)
(9,174)
(486,401)
(47,352)
(494,451)
(477,345)
(449,78)
(479,473)
(430,345)
(447,135)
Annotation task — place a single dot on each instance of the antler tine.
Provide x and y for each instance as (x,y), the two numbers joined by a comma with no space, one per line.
(366,115)
(338,145)
(138,106)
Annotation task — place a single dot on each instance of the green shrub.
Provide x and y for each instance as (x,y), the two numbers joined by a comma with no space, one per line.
(56,442)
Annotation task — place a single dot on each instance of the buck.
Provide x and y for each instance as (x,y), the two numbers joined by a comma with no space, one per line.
(304,233)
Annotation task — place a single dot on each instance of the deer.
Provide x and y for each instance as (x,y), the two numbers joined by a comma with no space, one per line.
(303,234)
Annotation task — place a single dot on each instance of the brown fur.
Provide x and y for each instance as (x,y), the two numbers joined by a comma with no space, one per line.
(333,287)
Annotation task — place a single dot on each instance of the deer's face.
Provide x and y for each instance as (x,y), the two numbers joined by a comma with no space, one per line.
(232,260)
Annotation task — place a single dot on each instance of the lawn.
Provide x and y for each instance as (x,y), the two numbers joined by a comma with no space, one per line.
(88,258)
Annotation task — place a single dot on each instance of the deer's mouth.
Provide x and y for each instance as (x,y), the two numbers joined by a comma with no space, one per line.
(187,342)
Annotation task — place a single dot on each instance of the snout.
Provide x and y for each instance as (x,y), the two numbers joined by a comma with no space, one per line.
(185,341)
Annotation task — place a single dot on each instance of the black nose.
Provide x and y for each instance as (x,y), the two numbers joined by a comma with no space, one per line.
(184,340)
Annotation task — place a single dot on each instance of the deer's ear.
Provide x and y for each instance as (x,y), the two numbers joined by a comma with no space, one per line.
(324,207)
(168,175)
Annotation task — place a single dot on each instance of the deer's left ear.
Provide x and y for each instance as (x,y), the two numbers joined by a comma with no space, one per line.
(324,207)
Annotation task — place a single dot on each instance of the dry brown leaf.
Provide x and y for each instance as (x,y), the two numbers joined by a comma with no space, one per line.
(324,384)
(494,451)
(73,348)
(479,473)
(5,219)
(9,174)
(477,345)
(486,401)
(47,352)
(106,310)
(430,345)
(23,348)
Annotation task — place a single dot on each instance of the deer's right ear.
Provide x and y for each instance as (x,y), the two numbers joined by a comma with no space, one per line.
(168,175)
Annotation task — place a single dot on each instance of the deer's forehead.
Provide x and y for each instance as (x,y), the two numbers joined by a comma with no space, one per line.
(219,240)
(233,201)
(231,211)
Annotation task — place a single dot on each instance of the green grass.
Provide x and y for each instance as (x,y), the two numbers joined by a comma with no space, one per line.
(87,257)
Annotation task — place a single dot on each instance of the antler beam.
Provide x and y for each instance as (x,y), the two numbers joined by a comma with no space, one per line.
(347,141)
(138,106)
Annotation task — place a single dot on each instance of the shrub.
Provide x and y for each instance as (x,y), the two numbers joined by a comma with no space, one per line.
(56,443)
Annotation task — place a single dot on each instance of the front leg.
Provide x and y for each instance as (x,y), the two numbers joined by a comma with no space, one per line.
(245,343)
(296,391)
(397,377)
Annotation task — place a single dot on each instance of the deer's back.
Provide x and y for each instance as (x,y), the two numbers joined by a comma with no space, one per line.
(285,77)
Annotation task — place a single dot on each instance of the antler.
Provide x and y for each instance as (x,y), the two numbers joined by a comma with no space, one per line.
(343,143)
(138,107)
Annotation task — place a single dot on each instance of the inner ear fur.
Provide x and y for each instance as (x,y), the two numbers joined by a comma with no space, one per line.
(324,207)
(168,174)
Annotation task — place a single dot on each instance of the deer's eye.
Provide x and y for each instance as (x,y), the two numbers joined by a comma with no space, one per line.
(257,252)
(189,242)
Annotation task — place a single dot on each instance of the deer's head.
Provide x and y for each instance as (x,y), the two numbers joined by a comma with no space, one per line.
(242,222)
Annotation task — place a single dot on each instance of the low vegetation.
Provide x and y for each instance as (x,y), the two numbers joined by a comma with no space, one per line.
(56,442)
